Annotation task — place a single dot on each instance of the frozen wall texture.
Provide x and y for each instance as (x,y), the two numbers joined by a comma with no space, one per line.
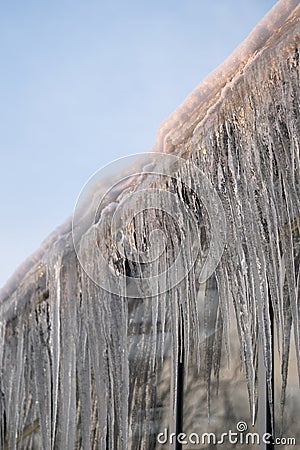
(105,353)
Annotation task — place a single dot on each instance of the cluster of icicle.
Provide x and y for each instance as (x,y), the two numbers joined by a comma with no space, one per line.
(72,374)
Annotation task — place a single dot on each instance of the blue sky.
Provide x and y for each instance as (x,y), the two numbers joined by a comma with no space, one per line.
(85,82)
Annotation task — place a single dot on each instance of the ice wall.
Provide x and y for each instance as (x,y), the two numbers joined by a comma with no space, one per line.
(82,367)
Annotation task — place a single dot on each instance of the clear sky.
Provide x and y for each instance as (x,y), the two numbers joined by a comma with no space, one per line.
(85,82)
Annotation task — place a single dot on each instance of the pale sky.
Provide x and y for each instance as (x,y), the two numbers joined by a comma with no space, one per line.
(85,82)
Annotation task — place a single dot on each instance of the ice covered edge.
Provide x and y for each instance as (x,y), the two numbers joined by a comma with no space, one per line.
(185,117)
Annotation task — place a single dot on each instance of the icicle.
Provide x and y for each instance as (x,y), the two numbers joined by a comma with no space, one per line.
(55,344)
